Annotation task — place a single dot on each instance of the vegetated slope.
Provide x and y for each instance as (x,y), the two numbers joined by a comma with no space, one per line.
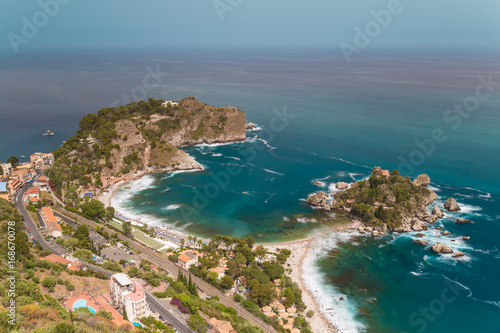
(118,140)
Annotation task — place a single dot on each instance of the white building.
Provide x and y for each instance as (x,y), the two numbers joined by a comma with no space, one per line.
(42,160)
(166,103)
(127,293)
(7,168)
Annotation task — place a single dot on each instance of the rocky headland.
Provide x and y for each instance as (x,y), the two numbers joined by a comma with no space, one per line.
(142,137)
(389,202)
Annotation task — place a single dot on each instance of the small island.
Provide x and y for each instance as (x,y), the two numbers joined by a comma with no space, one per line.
(385,201)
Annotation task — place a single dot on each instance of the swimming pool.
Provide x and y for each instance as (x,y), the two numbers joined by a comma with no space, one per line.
(80,303)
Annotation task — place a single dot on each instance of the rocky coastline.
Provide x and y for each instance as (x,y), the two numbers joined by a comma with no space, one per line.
(411,215)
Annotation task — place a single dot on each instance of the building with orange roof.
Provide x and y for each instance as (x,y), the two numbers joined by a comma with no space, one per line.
(217,270)
(187,259)
(84,299)
(294,330)
(31,193)
(287,326)
(220,326)
(43,183)
(55,259)
(50,221)
(284,315)
(128,293)
(291,310)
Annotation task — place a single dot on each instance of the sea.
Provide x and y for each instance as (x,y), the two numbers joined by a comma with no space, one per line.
(320,120)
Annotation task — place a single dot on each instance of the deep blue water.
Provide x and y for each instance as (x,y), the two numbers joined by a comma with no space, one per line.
(344,119)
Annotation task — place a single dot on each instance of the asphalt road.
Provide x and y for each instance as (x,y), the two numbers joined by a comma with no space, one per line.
(153,302)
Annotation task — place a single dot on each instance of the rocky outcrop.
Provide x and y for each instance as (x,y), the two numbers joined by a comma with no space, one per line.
(459,220)
(451,205)
(250,126)
(419,225)
(341,185)
(420,242)
(436,211)
(458,254)
(441,248)
(422,180)
(446,233)
(375,233)
(319,200)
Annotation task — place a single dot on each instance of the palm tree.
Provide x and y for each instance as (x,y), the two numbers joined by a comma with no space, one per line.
(189,239)
(194,240)
(199,243)
(182,242)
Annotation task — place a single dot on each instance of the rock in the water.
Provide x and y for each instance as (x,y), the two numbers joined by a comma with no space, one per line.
(458,254)
(368,229)
(419,226)
(422,180)
(341,298)
(437,212)
(446,233)
(421,241)
(250,126)
(341,185)
(319,200)
(420,234)
(466,238)
(459,220)
(375,233)
(451,205)
(441,248)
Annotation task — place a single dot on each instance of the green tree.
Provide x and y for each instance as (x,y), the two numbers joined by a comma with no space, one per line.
(64,328)
(48,282)
(127,228)
(112,266)
(110,213)
(12,160)
(82,234)
(93,209)
(197,323)
(226,282)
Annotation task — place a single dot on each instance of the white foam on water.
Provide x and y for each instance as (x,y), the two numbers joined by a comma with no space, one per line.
(434,188)
(274,172)
(349,162)
(171,207)
(301,219)
(353,174)
(340,313)
(333,189)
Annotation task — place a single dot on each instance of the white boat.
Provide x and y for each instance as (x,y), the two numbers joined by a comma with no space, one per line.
(49,132)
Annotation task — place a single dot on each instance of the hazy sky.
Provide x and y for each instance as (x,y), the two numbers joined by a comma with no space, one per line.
(296,23)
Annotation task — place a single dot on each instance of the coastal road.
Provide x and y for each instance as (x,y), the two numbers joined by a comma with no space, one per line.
(160,308)
(153,302)
(32,224)
(161,260)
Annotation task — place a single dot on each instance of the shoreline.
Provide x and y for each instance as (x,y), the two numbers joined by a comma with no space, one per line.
(300,249)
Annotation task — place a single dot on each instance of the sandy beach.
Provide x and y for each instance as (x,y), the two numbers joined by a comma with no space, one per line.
(300,249)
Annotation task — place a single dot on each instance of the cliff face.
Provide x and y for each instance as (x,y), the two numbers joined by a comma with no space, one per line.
(144,135)
(155,138)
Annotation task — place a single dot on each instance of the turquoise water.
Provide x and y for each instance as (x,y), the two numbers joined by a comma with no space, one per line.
(81,303)
(345,120)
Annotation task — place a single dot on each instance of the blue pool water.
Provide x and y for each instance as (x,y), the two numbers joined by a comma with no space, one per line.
(81,303)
